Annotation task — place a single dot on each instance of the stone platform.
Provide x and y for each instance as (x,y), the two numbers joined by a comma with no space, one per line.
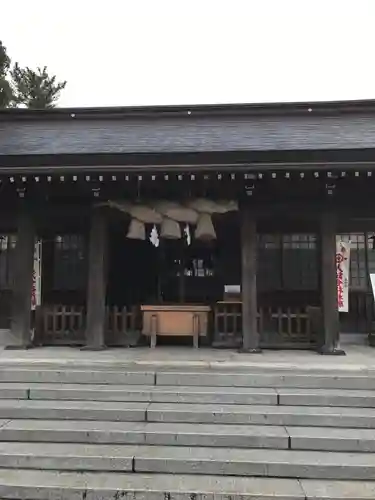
(358,357)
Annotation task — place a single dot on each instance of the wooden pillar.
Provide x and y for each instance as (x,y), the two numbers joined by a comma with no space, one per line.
(23,266)
(331,320)
(97,282)
(250,334)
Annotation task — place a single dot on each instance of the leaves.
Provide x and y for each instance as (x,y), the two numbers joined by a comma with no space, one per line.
(4,61)
(5,88)
(35,89)
(25,87)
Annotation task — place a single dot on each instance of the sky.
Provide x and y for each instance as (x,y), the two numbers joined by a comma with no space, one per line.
(142,52)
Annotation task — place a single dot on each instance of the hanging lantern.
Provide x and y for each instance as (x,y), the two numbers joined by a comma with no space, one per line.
(137,230)
(205,229)
(170,229)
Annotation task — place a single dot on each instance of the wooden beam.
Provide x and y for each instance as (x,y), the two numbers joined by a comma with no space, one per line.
(23,276)
(250,334)
(97,282)
(331,320)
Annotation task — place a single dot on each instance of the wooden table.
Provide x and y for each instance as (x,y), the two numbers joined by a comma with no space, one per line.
(175,320)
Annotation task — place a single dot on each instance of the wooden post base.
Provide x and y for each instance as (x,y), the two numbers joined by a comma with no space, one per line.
(331,351)
(94,348)
(244,350)
(18,347)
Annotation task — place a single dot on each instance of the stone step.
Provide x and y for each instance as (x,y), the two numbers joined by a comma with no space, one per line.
(71,431)
(152,394)
(326,397)
(67,456)
(187,460)
(189,413)
(338,490)
(14,391)
(255,462)
(47,485)
(317,416)
(207,378)
(357,381)
(76,376)
(166,434)
(148,361)
(75,410)
(331,439)
(189,394)
(194,413)
(50,485)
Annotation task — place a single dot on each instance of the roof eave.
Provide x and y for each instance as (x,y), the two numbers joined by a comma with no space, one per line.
(284,108)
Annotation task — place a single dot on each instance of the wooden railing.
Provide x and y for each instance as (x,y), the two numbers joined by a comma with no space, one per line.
(65,324)
(227,324)
(120,322)
(277,326)
(289,326)
(62,324)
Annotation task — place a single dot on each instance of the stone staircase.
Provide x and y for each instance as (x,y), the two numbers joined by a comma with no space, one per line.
(144,434)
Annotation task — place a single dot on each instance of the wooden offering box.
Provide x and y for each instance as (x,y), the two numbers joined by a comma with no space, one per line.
(175,320)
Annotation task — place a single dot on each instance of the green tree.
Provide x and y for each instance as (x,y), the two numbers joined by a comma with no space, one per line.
(34,89)
(6,95)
